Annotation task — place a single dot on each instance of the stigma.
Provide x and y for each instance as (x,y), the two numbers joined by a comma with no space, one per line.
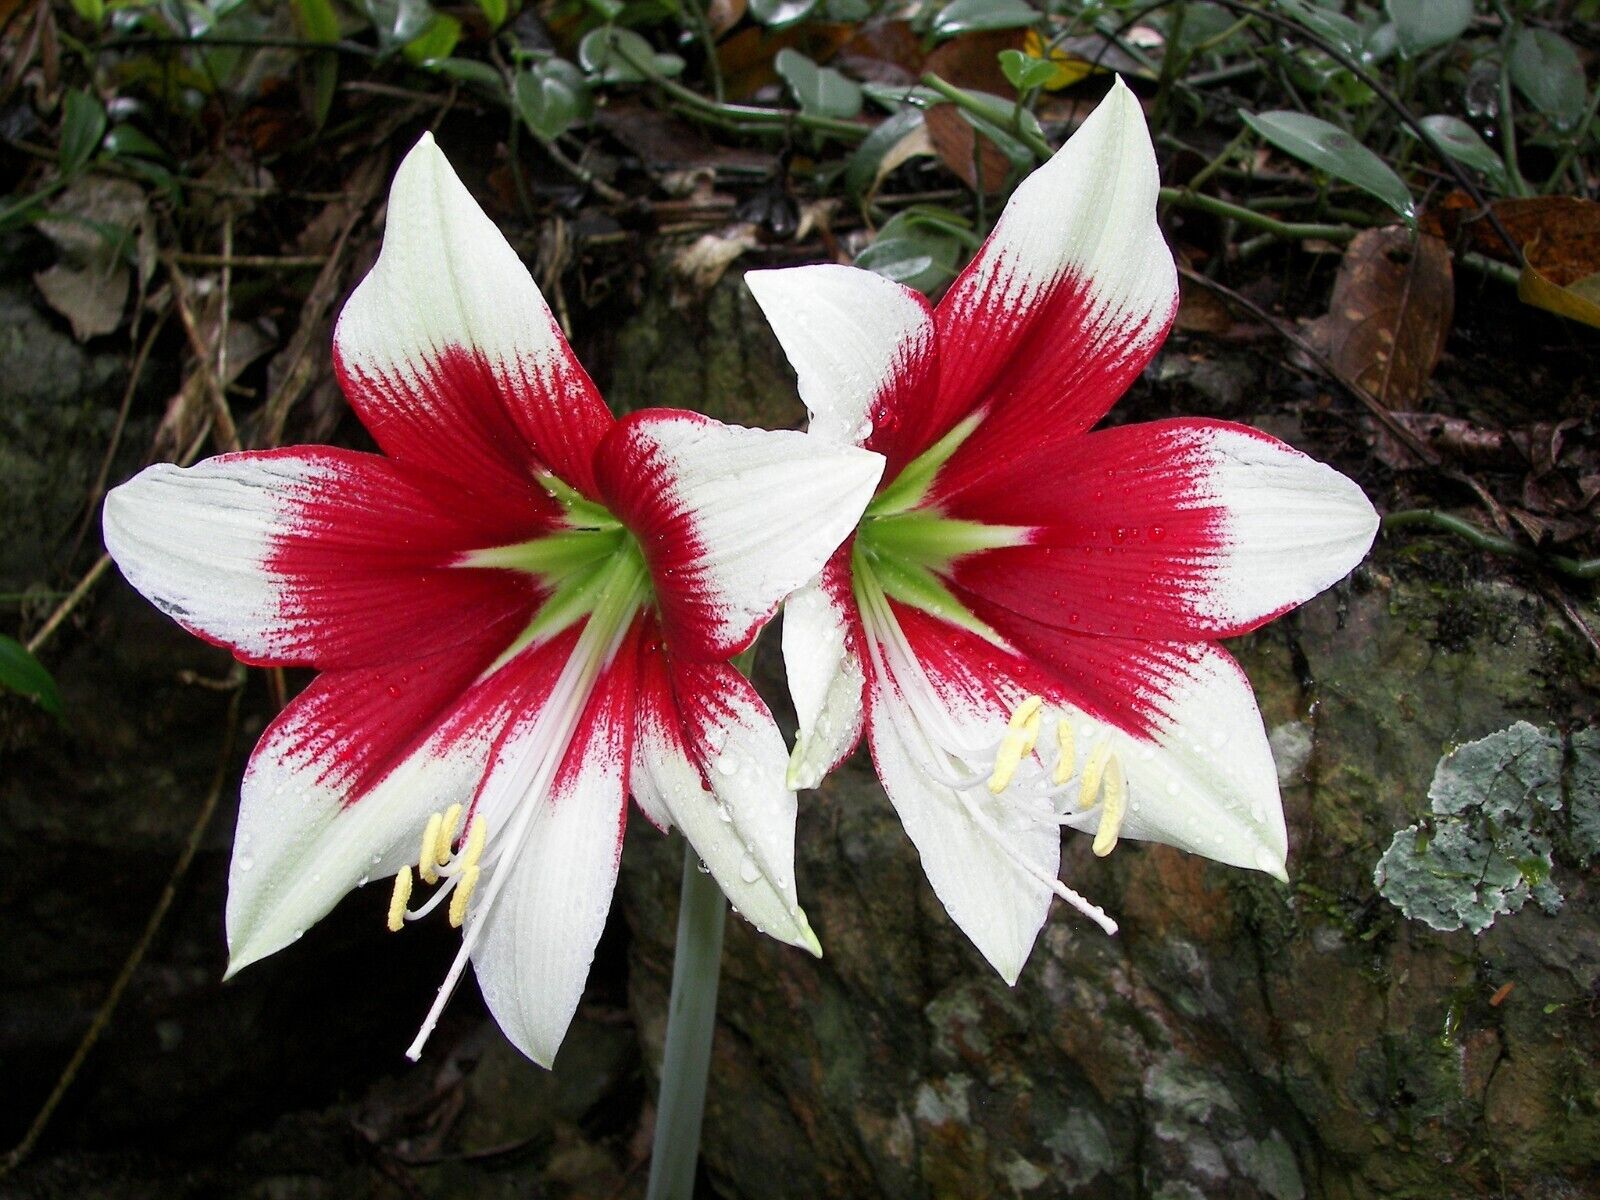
(438,859)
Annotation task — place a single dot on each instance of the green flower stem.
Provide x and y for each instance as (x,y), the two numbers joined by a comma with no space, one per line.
(1588,568)
(691,1022)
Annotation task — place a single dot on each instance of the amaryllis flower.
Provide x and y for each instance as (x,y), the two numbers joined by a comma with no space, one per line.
(1026,618)
(522,610)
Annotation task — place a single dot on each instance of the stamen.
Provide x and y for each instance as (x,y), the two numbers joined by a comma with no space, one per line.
(398,899)
(427,863)
(477,835)
(462,894)
(447,831)
(1093,771)
(1022,732)
(1069,753)
(1116,801)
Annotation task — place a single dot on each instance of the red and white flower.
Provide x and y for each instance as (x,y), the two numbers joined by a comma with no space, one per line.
(522,611)
(1025,621)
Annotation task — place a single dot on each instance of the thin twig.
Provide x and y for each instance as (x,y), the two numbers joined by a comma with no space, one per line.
(152,926)
(261,262)
(227,431)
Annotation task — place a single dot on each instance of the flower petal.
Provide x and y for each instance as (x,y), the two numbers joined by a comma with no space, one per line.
(863,349)
(539,934)
(449,353)
(731,519)
(972,850)
(1067,300)
(1180,716)
(1205,782)
(317,557)
(1174,530)
(709,757)
(822,658)
(343,781)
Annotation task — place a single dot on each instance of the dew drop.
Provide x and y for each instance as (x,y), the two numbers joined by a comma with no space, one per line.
(728,764)
(724,815)
(748,870)
(245,862)
(702,868)
(1268,861)
(1258,811)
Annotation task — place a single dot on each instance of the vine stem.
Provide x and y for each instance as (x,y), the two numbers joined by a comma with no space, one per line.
(691,1024)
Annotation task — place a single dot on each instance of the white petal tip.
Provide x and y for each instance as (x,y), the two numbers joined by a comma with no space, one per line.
(802,773)
(809,940)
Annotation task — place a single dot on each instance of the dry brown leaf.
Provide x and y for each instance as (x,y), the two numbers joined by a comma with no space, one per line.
(973,61)
(723,15)
(955,141)
(1391,308)
(1201,310)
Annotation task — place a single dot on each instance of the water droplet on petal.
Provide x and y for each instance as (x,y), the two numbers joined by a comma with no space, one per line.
(245,862)
(728,764)
(748,870)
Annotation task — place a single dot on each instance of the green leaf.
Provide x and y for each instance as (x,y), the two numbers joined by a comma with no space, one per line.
(1333,27)
(399,22)
(777,13)
(1025,72)
(436,41)
(470,70)
(608,54)
(916,248)
(125,141)
(92,11)
(551,97)
(1329,148)
(22,673)
(494,12)
(1462,143)
(971,16)
(318,20)
(83,124)
(1546,70)
(865,167)
(819,90)
(1424,24)
(894,96)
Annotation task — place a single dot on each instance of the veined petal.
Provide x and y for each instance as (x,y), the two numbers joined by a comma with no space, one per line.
(731,520)
(317,557)
(1180,717)
(863,349)
(343,781)
(987,861)
(709,758)
(1174,530)
(1067,300)
(539,933)
(1204,781)
(823,660)
(450,355)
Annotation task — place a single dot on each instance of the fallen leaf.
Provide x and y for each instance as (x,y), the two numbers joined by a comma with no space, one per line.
(700,264)
(964,150)
(973,60)
(1201,310)
(99,225)
(723,15)
(1392,303)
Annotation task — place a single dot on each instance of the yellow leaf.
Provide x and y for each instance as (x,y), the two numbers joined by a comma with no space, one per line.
(1533,288)
(1069,67)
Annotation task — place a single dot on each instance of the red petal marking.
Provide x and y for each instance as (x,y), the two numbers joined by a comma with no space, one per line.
(363,561)
(605,730)
(353,727)
(1124,682)
(902,413)
(1044,372)
(635,480)
(1132,535)
(656,716)
(492,428)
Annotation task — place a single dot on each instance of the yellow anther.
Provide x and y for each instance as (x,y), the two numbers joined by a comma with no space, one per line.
(447,834)
(1068,757)
(427,863)
(398,899)
(1093,771)
(1007,760)
(477,834)
(1115,793)
(462,894)
(1026,711)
